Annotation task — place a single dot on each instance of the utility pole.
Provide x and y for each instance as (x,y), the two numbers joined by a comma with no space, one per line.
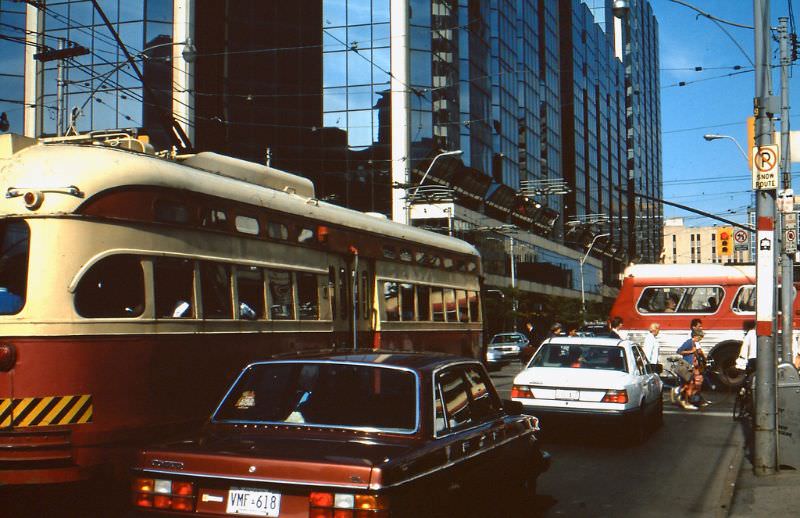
(788,216)
(764,159)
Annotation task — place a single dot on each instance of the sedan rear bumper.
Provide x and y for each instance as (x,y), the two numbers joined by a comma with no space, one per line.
(611,417)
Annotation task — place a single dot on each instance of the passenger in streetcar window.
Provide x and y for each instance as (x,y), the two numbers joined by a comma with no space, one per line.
(182,309)
(671,305)
(246,312)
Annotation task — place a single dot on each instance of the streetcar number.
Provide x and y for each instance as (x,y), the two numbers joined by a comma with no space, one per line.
(253,502)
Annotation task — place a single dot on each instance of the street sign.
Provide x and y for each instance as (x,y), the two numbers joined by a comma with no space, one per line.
(741,239)
(765,167)
(789,232)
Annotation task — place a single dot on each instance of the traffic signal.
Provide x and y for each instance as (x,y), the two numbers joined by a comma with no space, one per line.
(794,46)
(724,237)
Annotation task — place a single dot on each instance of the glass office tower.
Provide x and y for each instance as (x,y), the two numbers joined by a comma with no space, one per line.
(528,90)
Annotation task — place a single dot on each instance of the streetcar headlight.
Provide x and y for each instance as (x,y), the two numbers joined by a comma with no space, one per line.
(33,199)
(8,357)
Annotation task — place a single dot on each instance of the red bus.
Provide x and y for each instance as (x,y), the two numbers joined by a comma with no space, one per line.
(133,286)
(721,295)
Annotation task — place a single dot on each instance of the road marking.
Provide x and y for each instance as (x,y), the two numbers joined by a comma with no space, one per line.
(712,413)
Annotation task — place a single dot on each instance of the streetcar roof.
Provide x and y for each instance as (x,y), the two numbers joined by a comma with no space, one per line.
(54,168)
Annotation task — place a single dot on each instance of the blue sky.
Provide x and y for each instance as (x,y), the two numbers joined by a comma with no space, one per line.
(712,176)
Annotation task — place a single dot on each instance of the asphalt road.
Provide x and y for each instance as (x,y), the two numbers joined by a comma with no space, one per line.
(682,469)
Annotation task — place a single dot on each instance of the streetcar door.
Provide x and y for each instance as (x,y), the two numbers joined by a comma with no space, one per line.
(365,318)
(339,297)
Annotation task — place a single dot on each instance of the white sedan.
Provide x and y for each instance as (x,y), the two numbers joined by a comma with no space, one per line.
(592,377)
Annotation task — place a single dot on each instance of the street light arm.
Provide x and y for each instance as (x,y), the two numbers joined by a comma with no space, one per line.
(711,136)
(591,245)
(428,170)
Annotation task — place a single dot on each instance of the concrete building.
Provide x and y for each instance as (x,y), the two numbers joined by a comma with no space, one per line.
(364,97)
(684,244)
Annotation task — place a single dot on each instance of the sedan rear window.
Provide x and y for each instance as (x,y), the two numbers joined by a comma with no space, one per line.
(580,356)
(323,394)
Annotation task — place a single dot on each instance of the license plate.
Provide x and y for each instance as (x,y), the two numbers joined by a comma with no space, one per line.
(253,502)
(572,395)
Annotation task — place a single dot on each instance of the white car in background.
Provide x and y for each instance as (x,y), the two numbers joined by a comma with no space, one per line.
(592,377)
(504,349)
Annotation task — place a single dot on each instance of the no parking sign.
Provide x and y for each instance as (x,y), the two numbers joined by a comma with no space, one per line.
(741,239)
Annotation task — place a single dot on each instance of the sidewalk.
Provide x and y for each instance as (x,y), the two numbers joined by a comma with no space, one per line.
(771,495)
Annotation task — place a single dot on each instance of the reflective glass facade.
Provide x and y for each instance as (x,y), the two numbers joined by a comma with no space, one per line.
(550,102)
(474,85)
(646,110)
(101,85)
(12,64)
(529,90)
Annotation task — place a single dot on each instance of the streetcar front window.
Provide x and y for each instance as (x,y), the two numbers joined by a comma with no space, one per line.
(112,288)
(14,248)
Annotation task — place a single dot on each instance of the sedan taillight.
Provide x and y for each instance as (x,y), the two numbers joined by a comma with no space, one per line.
(163,494)
(346,505)
(616,396)
(521,391)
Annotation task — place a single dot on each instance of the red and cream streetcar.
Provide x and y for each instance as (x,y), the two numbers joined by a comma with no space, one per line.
(134,285)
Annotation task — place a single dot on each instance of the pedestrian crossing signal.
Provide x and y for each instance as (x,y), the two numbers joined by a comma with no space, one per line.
(724,237)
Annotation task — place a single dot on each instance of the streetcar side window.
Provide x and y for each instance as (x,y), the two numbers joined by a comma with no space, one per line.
(247,225)
(437,302)
(213,218)
(391,301)
(113,287)
(474,311)
(172,212)
(215,282)
(424,303)
(407,301)
(307,296)
(14,250)
(280,292)
(250,286)
(174,287)
(277,231)
(463,309)
(306,236)
(450,303)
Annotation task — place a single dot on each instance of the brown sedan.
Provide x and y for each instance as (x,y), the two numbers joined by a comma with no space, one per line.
(349,434)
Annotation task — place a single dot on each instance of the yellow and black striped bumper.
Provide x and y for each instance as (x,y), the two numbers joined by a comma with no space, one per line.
(46,411)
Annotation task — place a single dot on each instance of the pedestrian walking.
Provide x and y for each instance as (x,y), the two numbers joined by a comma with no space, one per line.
(615,324)
(651,348)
